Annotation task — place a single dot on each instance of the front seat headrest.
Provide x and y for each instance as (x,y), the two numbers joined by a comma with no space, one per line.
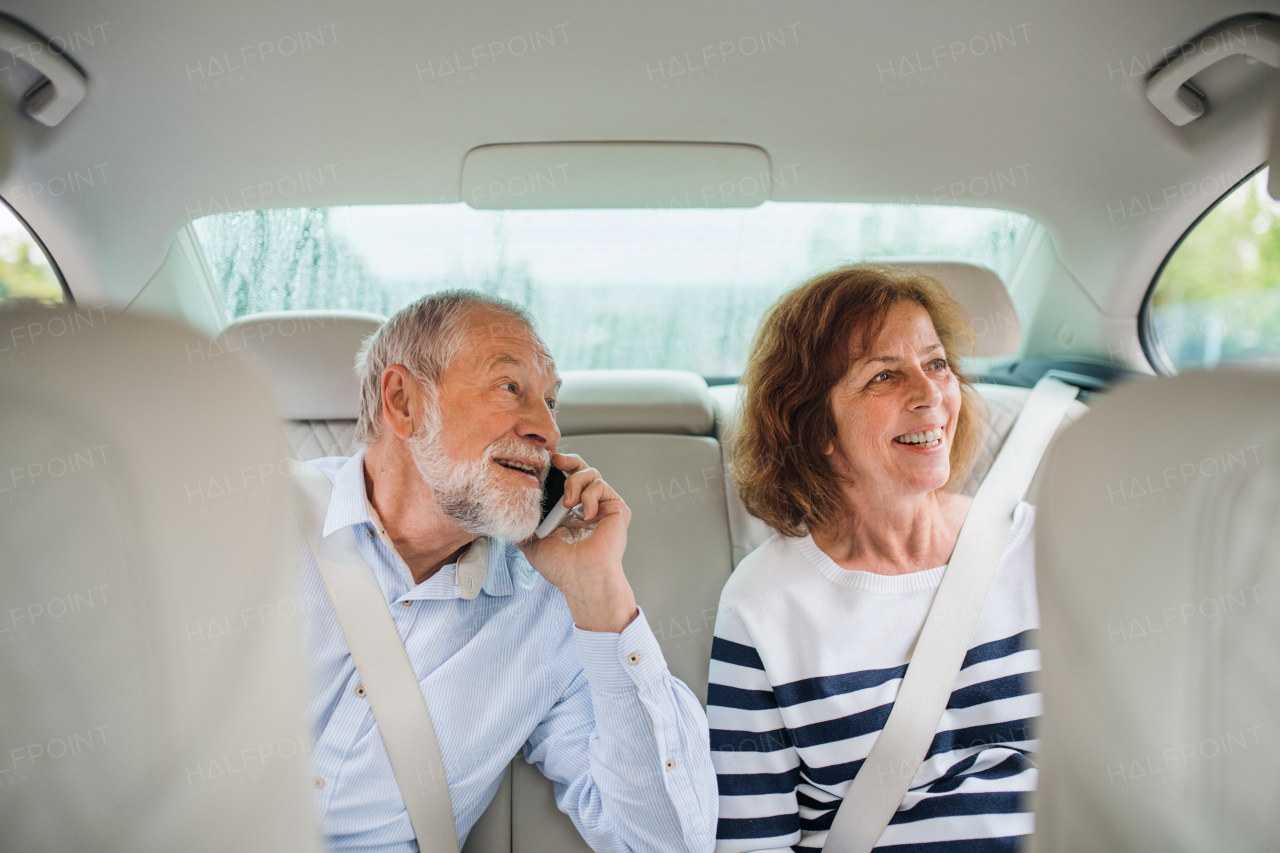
(308,358)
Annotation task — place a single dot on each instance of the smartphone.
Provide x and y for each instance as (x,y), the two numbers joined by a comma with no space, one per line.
(553,508)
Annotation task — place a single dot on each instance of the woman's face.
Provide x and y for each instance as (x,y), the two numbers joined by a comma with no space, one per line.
(896,411)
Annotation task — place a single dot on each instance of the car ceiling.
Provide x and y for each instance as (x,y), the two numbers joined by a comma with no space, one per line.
(1056,102)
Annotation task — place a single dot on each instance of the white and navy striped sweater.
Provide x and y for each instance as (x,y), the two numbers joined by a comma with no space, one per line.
(805,666)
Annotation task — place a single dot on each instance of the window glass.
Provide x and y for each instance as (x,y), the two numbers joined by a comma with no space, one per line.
(609,288)
(1217,300)
(25,273)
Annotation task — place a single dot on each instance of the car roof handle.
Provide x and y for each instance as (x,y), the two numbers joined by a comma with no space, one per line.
(1254,37)
(51,99)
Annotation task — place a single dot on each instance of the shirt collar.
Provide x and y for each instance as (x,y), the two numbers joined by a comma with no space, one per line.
(349,506)
(497,577)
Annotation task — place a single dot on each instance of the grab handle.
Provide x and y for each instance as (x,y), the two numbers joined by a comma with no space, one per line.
(1254,37)
(63,86)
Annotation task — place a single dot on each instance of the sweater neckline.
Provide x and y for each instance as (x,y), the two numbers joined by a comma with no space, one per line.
(871,582)
(888,585)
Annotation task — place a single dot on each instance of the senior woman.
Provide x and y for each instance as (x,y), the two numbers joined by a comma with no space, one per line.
(856,430)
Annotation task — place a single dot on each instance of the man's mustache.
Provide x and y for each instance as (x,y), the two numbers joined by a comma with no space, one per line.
(508,447)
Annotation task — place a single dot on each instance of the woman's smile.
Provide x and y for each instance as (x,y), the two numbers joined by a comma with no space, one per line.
(922,439)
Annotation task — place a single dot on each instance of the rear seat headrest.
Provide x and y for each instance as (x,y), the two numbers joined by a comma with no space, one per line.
(309,361)
(660,401)
(308,358)
(992,316)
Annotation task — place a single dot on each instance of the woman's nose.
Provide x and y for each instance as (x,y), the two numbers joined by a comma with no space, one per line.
(925,393)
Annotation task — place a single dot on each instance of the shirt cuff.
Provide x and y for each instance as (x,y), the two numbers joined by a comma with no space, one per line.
(620,662)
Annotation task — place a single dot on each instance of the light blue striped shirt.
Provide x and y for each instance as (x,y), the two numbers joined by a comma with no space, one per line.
(626,744)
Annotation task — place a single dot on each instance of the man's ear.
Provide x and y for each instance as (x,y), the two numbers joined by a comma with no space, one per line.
(400,400)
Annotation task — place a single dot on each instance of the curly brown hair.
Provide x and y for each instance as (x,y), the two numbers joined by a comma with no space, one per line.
(804,346)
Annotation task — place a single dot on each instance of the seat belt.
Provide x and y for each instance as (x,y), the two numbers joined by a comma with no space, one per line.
(386,676)
(885,776)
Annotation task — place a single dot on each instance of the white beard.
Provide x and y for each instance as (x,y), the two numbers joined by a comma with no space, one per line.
(472,492)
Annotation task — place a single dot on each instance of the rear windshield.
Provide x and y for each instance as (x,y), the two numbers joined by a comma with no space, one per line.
(608,288)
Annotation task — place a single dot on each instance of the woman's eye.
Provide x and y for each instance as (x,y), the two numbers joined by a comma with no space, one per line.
(881,377)
(940,364)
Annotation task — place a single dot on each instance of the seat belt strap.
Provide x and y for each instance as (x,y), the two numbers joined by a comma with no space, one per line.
(386,676)
(885,776)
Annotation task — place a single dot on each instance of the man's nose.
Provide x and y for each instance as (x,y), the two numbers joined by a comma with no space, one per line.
(539,426)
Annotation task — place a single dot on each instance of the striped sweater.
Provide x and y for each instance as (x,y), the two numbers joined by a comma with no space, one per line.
(805,666)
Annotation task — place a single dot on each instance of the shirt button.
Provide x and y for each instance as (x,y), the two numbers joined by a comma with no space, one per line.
(406,603)
(360,691)
(633,658)
(317,782)
(671,765)
(370,532)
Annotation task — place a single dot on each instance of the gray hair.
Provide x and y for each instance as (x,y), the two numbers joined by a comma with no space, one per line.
(425,338)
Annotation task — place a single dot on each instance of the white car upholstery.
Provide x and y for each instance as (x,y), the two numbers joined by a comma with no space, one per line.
(656,435)
(1158,554)
(153,683)
(677,561)
(308,358)
(992,316)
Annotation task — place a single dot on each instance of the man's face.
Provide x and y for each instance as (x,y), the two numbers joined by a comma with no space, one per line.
(485,444)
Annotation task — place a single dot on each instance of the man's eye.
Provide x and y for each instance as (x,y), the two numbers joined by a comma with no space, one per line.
(512,387)
(551,404)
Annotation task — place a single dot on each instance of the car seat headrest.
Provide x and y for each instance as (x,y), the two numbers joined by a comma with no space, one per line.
(992,316)
(308,358)
(659,401)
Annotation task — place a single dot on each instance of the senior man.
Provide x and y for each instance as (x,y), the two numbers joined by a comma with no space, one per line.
(517,643)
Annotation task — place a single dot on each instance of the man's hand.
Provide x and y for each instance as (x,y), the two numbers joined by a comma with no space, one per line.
(583,557)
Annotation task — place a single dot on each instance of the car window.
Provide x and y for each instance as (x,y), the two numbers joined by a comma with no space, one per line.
(25,272)
(1216,300)
(673,288)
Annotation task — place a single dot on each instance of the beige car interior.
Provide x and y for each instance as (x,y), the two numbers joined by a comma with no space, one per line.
(657,436)
(153,677)
(670,465)
(1159,627)
(146,433)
